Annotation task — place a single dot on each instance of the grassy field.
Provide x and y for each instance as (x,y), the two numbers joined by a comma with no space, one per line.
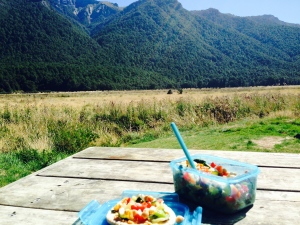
(80,99)
(265,135)
(39,129)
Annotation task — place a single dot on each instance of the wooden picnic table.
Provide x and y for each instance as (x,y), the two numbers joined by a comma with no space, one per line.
(55,194)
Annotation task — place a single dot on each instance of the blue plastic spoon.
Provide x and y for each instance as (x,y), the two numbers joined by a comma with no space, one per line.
(181,142)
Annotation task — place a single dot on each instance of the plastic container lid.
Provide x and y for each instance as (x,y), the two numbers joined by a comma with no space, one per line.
(243,170)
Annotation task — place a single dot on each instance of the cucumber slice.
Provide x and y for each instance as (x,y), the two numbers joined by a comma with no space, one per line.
(160,219)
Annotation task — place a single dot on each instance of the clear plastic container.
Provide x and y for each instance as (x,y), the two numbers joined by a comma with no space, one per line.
(95,214)
(218,193)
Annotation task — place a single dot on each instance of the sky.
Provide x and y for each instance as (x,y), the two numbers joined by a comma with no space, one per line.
(285,10)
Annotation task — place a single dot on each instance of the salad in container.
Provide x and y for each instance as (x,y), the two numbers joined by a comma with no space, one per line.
(219,184)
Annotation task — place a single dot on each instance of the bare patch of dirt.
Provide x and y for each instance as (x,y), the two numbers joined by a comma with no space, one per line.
(269,142)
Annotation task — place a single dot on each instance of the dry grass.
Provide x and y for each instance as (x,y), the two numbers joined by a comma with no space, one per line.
(269,142)
(80,99)
(31,113)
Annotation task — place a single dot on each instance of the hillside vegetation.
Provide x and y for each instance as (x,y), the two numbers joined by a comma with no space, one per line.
(46,46)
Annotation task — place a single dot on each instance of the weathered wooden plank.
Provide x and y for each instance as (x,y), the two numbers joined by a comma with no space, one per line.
(67,193)
(26,216)
(166,155)
(269,178)
(71,194)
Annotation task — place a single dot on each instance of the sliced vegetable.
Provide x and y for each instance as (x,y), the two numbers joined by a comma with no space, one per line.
(160,219)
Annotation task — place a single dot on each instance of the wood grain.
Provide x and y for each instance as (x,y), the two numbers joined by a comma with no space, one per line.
(54,195)
(27,216)
(159,172)
(166,155)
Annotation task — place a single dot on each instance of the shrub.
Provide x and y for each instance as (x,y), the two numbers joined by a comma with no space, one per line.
(6,116)
(170,92)
(36,160)
(70,138)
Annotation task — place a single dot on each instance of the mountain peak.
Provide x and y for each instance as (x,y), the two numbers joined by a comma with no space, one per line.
(160,2)
(270,20)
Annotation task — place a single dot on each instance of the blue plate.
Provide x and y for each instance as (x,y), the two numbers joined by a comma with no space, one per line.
(95,214)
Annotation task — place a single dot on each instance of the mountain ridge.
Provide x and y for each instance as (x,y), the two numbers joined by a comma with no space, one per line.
(147,45)
(266,19)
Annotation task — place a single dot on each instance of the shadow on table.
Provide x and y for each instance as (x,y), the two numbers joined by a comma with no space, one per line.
(77,222)
(215,218)
(212,218)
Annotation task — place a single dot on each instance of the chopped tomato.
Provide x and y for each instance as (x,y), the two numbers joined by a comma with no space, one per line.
(141,206)
(220,170)
(128,200)
(138,206)
(186,176)
(147,204)
(230,199)
(139,219)
(134,207)
(224,172)
(213,165)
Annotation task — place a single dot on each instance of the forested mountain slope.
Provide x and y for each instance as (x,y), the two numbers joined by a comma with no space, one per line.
(267,29)
(49,45)
(164,37)
(40,49)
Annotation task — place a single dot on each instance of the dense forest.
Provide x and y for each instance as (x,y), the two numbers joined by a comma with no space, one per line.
(149,44)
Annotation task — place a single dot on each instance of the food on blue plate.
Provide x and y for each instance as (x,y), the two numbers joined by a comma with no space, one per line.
(141,209)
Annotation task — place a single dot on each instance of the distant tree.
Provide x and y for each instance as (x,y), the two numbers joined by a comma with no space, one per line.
(180,90)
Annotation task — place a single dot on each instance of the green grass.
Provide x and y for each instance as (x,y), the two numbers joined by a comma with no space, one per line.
(15,165)
(235,136)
